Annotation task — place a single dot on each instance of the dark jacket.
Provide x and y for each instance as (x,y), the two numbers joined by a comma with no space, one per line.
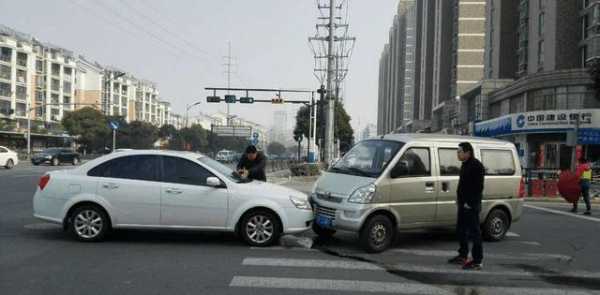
(255,168)
(470,184)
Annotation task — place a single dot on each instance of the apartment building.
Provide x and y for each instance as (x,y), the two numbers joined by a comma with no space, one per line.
(88,84)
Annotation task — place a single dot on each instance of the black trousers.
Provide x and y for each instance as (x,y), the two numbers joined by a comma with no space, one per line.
(468,229)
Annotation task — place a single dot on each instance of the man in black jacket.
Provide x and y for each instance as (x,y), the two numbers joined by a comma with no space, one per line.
(469,194)
(252,164)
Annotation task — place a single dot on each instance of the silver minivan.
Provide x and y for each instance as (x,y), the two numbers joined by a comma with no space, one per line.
(409,181)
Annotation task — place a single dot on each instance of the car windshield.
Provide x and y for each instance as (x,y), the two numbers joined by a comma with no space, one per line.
(224,170)
(368,158)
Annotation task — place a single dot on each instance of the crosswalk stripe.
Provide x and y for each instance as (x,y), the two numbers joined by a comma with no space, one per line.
(520,256)
(279,248)
(336,285)
(388,287)
(446,269)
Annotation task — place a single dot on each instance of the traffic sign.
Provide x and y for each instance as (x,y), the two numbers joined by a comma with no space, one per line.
(255,135)
(254,141)
(232,131)
(246,99)
(114,125)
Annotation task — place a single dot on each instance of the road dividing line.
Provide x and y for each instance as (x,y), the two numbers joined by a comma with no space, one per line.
(584,217)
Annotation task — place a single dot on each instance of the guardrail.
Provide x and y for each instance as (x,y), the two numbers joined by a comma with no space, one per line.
(544,182)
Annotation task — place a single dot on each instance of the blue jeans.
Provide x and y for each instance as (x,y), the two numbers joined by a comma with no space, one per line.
(585,192)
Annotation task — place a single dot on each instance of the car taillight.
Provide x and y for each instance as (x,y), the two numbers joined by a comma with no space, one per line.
(522,189)
(44,181)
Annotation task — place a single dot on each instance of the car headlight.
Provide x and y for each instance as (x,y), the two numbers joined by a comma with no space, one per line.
(363,195)
(300,203)
(48,157)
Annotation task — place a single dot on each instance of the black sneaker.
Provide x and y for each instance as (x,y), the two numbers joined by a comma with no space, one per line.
(588,212)
(458,260)
(472,266)
(574,210)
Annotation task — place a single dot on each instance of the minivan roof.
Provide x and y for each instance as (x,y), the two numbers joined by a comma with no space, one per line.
(430,137)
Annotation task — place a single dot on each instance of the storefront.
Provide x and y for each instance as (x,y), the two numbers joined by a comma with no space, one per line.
(541,137)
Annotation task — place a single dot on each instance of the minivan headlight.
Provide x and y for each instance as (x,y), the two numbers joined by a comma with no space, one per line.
(300,203)
(363,195)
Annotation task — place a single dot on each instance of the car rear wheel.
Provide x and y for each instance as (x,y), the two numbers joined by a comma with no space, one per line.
(75,161)
(260,228)
(377,234)
(89,223)
(9,164)
(496,225)
(55,162)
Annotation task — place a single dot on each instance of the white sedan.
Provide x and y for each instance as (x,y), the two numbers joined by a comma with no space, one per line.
(167,190)
(8,158)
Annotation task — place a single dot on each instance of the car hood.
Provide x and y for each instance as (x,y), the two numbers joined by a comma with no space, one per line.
(340,184)
(268,189)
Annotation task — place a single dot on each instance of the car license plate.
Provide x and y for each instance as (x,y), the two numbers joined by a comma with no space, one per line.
(324,221)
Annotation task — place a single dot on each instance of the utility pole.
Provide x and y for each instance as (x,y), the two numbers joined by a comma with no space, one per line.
(331,74)
(228,72)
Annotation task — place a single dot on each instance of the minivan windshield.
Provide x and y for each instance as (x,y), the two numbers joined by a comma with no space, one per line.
(368,158)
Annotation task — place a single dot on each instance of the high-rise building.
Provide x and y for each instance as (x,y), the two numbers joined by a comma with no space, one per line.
(88,84)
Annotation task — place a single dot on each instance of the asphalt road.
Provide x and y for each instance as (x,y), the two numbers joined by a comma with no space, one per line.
(548,252)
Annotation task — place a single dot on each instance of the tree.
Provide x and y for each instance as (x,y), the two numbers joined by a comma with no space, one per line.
(276,148)
(167,131)
(138,135)
(194,138)
(89,126)
(342,132)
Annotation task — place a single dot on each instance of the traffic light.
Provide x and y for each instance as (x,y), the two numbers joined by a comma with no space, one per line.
(213,99)
(277,100)
(246,99)
(230,98)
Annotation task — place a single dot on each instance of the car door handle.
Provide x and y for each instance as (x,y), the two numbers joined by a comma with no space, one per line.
(110,185)
(429,187)
(173,191)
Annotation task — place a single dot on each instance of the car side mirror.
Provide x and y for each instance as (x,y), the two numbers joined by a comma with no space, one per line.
(214,182)
(401,169)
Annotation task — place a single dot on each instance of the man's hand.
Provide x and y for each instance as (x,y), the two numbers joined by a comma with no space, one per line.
(243,172)
(467,207)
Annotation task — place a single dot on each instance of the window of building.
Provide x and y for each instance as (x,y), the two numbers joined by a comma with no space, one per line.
(39,66)
(584,26)
(541,24)
(21,76)
(5,107)
(22,59)
(55,85)
(54,98)
(21,109)
(5,54)
(55,70)
(541,53)
(66,100)
(39,96)
(68,72)
(498,162)
(21,92)
(67,87)
(5,72)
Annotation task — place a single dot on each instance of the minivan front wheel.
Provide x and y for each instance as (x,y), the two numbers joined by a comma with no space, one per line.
(496,225)
(377,234)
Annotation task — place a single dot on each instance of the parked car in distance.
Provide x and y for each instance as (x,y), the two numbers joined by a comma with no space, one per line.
(8,158)
(168,190)
(225,156)
(55,157)
(409,181)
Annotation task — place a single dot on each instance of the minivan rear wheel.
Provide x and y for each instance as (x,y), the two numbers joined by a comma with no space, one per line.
(496,225)
(88,223)
(377,234)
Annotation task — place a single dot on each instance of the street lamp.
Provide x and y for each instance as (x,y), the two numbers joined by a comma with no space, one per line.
(187,109)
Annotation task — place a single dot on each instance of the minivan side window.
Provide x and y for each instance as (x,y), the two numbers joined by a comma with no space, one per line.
(415,162)
(449,163)
(140,167)
(498,162)
(182,171)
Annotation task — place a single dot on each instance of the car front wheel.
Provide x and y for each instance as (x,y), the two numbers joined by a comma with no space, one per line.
(89,223)
(260,228)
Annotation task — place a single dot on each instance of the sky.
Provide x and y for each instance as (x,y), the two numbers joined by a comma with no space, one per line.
(181,44)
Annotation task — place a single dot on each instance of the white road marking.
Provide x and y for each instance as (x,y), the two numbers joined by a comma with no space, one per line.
(387,287)
(531,243)
(519,256)
(584,217)
(279,248)
(512,235)
(439,269)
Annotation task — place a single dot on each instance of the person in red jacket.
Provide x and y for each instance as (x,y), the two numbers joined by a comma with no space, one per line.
(584,172)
